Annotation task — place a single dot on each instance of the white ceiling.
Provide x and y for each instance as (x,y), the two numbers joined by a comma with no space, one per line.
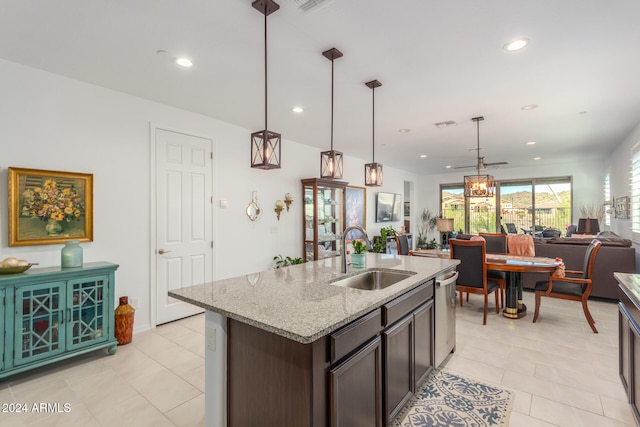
(436,60)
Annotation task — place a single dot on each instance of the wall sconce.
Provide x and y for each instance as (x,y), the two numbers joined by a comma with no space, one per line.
(279,208)
(288,199)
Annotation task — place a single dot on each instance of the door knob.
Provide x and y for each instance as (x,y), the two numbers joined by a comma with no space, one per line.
(163,251)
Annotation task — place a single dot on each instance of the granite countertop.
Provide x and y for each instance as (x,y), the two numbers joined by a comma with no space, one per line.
(298,302)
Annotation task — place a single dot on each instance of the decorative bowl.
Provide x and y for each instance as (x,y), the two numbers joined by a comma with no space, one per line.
(14,270)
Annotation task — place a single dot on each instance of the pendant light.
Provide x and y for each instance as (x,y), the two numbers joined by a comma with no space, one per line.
(373,171)
(479,185)
(265,144)
(331,161)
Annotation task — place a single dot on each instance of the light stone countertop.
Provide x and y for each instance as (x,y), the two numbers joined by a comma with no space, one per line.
(297,302)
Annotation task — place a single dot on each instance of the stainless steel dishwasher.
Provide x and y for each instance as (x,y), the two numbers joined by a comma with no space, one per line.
(445,308)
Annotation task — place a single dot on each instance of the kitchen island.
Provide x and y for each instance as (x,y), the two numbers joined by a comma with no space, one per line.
(286,347)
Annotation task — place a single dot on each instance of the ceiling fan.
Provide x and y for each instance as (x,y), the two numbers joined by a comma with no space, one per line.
(481,164)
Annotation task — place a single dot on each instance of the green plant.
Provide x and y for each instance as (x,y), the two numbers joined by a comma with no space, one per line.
(358,247)
(286,261)
(431,245)
(380,244)
(427,224)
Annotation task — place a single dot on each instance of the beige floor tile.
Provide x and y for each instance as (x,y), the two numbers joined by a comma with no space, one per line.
(189,414)
(78,415)
(522,402)
(195,377)
(569,416)
(518,419)
(191,341)
(133,411)
(617,409)
(165,390)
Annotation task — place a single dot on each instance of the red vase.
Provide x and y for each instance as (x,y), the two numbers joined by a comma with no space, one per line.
(124,321)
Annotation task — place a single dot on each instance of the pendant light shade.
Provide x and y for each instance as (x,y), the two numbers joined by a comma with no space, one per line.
(479,185)
(373,170)
(265,144)
(331,161)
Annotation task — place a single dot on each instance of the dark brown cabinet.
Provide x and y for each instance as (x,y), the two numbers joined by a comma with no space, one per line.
(359,375)
(629,347)
(356,388)
(408,357)
(424,351)
(398,363)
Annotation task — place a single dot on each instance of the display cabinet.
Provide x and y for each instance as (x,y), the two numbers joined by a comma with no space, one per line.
(50,314)
(324,213)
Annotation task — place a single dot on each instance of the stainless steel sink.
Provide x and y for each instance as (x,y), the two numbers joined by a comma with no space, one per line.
(370,280)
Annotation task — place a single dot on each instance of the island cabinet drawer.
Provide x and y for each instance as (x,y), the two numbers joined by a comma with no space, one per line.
(353,335)
(398,308)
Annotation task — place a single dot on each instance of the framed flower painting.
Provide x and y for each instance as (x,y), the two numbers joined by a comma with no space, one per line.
(49,207)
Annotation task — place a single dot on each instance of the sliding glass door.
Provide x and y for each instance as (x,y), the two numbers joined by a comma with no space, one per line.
(532,206)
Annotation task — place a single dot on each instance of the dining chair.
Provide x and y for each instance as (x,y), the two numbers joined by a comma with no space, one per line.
(496,243)
(472,271)
(511,228)
(573,288)
(402,243)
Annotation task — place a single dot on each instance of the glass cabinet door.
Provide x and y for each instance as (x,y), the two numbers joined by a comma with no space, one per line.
(323,218)
(39,321)
(87,321)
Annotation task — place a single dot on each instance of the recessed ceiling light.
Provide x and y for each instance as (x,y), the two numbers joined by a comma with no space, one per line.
(448,166)
(297,109)
(529,107)
(515,45)
(404,130)
(423,156)
(162,52)
(531,143)
(582,112)
(184,62)
(537,158)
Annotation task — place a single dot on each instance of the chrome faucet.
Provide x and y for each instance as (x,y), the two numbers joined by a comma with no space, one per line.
(344,243)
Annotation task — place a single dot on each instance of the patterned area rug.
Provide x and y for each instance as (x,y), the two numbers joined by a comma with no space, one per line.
(447,399)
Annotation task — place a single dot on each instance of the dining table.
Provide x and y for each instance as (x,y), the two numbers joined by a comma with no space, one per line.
(514,266)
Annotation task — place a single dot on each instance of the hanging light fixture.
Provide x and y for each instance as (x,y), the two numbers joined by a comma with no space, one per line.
(373,171)
(331,161)
(479,185)
(265,144)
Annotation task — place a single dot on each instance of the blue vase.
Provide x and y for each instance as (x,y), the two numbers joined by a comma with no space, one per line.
(71,255)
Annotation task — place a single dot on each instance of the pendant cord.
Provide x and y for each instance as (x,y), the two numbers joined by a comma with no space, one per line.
(373,126)
(332,104)
(478,152)
(265,72)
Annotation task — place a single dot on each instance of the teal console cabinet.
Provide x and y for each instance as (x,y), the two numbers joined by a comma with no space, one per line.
(51,314)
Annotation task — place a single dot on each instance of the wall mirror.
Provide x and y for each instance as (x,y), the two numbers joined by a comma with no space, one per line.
(254,210)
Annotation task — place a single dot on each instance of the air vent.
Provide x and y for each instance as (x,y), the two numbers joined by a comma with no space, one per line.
(445,124)
(310,5)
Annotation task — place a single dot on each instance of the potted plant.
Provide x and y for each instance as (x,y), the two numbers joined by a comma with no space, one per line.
(359,251)
(427,224)
(380,244)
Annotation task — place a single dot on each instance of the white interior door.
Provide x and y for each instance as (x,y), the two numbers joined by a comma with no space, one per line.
(184,223)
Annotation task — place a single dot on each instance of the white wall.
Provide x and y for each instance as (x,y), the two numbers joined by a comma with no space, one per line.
(55,123)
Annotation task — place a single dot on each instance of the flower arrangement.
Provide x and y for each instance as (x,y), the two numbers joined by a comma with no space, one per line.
(52,202)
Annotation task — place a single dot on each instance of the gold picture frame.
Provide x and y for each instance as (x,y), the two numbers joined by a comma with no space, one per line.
(621,207)
(49,207)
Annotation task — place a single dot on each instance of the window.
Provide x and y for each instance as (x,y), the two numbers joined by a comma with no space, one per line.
(608,203)
(530,205)
(635,192)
